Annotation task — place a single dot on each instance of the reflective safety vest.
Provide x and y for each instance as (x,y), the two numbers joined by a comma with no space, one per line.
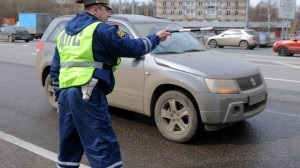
(76,57)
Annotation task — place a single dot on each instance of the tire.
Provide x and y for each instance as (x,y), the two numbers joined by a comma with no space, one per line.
(282,51)
(251,47)
(221,46)
(176,116)
(212,43)
(10,39)
(244,45)
(50,92)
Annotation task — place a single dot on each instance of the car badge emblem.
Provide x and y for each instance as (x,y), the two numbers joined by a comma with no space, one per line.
(253,82)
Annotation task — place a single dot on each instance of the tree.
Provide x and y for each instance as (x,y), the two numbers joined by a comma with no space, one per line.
(265,11)
(11,8)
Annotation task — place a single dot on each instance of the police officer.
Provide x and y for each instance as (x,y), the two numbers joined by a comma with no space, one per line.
(86,54)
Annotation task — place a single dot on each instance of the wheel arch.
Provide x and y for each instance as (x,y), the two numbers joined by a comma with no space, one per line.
(45,73)
(242,40)
(280,46)
(167,87)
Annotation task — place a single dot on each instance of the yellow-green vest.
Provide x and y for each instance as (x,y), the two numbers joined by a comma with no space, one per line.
(76,57)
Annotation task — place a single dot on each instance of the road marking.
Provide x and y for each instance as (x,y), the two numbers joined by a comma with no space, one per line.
(285,114)
(283,64)
(284,80)
(32,148)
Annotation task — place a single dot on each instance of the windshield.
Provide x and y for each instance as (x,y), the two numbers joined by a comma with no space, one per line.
(20,29)
(176,43)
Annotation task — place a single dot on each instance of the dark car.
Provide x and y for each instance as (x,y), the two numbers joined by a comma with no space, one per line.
(287,47)
(181,84)
(12,33)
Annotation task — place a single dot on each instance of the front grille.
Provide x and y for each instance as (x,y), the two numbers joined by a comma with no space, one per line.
(249,82)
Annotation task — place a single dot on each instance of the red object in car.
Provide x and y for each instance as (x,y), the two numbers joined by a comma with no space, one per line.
(287,47)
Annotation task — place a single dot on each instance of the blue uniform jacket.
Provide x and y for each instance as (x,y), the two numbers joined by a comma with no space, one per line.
(108,45)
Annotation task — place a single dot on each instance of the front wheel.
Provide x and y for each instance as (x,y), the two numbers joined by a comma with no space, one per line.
(212,43)
(176,116)
(10,39)
(283,51)
(50,92)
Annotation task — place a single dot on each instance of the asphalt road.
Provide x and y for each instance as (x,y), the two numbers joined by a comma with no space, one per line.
(28,125)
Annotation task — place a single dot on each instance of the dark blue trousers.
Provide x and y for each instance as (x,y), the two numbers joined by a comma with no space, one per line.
(85,126)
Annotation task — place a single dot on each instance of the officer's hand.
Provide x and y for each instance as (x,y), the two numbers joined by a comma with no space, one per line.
(163,34)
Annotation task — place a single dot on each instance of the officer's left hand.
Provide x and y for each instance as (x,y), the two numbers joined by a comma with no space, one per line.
(163,34)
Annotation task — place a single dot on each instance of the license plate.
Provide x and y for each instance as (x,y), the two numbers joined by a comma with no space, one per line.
(256,98)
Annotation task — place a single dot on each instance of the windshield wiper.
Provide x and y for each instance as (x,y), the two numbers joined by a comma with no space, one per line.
(192,50)
(167,52)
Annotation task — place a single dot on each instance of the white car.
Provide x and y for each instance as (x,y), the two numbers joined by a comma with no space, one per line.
(243,38)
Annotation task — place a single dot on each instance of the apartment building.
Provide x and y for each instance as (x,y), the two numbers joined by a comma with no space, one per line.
(201,10)
(64,1)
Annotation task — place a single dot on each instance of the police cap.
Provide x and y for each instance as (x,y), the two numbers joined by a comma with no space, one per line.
(90,2)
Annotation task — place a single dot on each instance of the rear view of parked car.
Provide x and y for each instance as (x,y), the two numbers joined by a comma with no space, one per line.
(287,47)
(264,39)
(13,33)
(243,38)
(181,84)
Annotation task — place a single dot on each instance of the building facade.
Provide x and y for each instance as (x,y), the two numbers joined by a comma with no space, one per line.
(201,10)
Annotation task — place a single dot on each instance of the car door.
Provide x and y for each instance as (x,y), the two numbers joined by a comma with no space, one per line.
(236,37)
(128,92)
(294,47)
(222,39)
(3,35)
(228,38)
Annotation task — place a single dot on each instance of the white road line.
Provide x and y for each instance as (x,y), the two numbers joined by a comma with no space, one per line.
(32,148)
(284,64)
(284,80)
(285,114)
(278,66)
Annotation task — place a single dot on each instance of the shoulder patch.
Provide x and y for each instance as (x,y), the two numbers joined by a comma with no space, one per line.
(120,33)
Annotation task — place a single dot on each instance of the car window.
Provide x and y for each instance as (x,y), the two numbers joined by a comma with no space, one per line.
(236,32)
(227,32)
(53,35)
(20,29)
(177,43)
(251,32)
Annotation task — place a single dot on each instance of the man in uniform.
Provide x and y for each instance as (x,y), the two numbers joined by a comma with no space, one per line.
(86,54)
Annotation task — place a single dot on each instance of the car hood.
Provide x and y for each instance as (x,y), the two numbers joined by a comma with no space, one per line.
(210,64)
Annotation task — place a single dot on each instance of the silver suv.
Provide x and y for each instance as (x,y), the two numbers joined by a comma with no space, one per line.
(243,38)
(182,84)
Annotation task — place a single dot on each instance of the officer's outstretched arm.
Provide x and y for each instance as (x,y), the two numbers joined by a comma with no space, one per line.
(120,44)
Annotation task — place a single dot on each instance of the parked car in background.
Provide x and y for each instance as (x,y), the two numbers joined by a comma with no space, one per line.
(287,47)
(264,39)
(12,33)
(181,84)
(289,37)
(243,38)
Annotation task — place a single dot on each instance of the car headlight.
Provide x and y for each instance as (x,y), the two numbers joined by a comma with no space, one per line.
(221,86)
